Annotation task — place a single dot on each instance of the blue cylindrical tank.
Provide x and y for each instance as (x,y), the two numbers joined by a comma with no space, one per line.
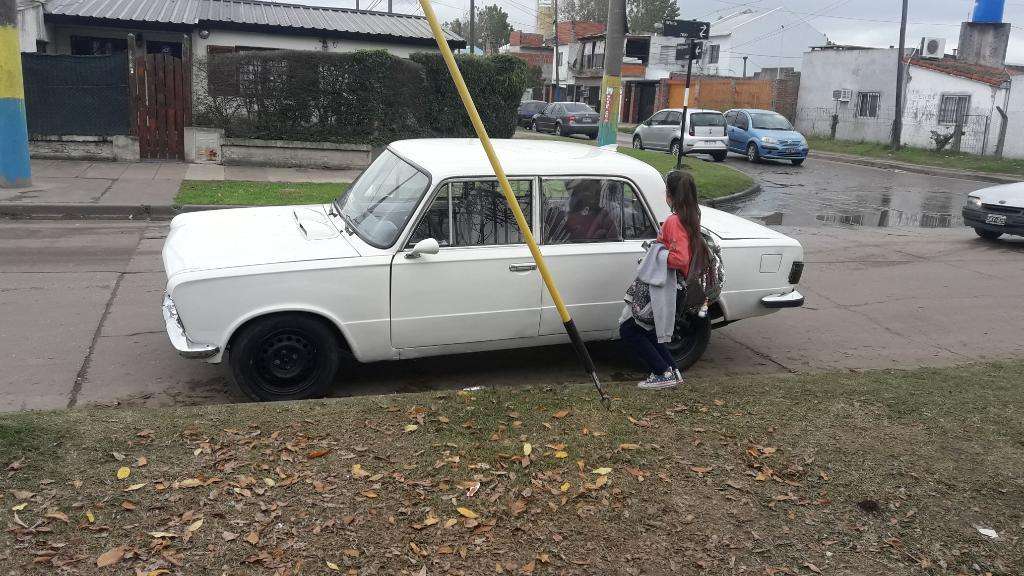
(988,11)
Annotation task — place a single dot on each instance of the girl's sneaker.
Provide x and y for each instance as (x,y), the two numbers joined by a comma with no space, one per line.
(659,382)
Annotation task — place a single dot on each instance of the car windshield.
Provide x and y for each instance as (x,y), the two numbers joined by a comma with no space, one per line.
(577,108)
(707,119)
(770,121)
(379,204)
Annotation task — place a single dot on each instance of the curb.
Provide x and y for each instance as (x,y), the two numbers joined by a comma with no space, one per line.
(142,212)
(716,202)
(917,168)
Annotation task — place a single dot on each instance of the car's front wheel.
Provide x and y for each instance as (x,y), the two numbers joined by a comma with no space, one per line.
(673,149)
(558,130)
(988,234)
(533,125)
(797,162)
(690,340)
(753,154)
(719,156)
(285,357)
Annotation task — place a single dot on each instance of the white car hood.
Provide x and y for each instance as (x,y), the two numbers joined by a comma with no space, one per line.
(232,238)
(730,227)
(1004,195)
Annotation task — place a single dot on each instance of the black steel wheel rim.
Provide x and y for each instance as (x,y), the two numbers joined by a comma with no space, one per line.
(287,361)
(684,338)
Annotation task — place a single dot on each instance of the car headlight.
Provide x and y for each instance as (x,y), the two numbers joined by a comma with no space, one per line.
(973,202)
(769,140)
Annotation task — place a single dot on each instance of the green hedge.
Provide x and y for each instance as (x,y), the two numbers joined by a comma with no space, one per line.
(367,96)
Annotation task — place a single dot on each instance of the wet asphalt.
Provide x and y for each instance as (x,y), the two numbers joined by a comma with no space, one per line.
(892,281)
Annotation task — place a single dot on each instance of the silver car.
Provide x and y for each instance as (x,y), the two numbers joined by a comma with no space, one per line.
(705,133)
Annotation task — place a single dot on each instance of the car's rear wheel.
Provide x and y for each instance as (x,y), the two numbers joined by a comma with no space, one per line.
(533,125)
(753,154)
(719,156)
(638,142)
(285,357)
(690,340)
(558,129)
(988,234)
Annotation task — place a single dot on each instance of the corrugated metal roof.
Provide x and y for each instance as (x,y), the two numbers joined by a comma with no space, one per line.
(249,12)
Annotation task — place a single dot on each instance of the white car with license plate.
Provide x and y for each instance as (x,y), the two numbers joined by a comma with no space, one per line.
(421,257)
(705,133)
(996,210)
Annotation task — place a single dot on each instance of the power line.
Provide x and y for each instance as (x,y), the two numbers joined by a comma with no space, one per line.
(797,23)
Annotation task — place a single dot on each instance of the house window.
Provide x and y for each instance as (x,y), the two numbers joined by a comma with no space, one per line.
(713,53)
(867,104)
(953,108)
(93,46)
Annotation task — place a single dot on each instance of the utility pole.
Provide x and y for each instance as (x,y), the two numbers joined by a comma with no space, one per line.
(472,20)
(897,123)
(745,66)
(15,168)
(680,148)
(611,83)
(554,63)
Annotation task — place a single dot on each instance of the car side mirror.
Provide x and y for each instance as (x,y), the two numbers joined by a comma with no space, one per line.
(425,246)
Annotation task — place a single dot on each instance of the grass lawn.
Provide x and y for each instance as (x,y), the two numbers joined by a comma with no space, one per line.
(240,192)
(886,472)
(713,180)
(921,156)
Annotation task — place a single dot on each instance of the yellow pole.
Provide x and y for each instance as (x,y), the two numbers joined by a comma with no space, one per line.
(510,198)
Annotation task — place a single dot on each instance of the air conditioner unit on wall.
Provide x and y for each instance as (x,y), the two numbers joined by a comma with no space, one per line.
(934,48)
(844,95)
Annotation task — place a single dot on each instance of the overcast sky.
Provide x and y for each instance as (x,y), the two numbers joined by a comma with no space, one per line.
(863,22)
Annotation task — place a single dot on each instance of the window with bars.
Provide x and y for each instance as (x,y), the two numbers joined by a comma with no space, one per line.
(714,51)
(953,108)
(867,104)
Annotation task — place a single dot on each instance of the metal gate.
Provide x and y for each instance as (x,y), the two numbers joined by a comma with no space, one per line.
(80,95)
(160,89)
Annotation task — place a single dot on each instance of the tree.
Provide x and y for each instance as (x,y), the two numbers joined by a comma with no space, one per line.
(583,10)
(644,15)
(492,28)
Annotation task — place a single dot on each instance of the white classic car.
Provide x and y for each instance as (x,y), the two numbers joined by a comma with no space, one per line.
(421,257)
(996,210)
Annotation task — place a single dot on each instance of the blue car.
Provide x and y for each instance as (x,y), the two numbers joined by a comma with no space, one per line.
(765,135)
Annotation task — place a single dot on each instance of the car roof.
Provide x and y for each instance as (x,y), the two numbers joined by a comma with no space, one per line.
(754,110)
(464,157)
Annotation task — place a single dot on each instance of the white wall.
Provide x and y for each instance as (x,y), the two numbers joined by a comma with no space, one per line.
(1014,143)
(31,27)
(925,89)
(297,42)
(762,41)
(823,71)
(60,36)
(658,67)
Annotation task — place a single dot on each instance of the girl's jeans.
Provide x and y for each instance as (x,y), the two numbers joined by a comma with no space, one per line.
(645,343)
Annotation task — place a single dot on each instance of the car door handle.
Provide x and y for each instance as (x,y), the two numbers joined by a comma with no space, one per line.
(522,267)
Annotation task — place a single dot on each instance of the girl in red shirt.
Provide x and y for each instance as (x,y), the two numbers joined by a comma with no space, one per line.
(681,235)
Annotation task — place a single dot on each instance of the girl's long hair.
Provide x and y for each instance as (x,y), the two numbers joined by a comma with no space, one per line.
(682,194)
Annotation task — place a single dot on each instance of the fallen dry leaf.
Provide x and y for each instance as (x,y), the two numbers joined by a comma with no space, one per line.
(702,469)
(812,568)
(19,507)
(228,536)
(189,483)
(527,449)
(561,413)
(601,471)
(123,472)
(351,552)
(135,487)
(195,526)
(411,427)
(58,515)
(561,454)
(317,454)
(629,446)
(110,557)
(252,538)
(467,513)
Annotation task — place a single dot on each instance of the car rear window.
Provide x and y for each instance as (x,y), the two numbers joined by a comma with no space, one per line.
(577,107)
(707,119)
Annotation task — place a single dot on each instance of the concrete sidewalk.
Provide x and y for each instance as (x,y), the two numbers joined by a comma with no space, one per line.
(84,182)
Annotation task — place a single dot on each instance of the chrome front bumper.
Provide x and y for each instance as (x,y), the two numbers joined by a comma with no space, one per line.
(176,333)
(792,300)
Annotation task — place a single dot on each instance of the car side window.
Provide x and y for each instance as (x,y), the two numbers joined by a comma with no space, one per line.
(436,222)
(657,118)
(549,110)
(741,121)
(730,118)
(480,215)
(673,119)
(582,210)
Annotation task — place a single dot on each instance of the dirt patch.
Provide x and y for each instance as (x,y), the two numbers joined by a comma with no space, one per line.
(875,473)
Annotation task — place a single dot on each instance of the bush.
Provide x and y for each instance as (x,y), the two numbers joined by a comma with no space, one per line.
(367,97)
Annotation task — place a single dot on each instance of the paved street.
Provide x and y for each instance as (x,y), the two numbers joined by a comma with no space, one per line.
(80,322)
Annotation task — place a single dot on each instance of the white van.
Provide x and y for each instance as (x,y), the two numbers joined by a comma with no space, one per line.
(705,132)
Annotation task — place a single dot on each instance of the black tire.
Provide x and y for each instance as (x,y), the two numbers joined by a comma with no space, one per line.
(558,130)
(638,142)
(673,148)
(285,357)
(533,126)
(797,162)
(753,154)
(592,136)
(988,234)
(719,156)
(690,340)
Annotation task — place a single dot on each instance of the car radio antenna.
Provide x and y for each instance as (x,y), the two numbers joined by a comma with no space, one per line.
(513,204)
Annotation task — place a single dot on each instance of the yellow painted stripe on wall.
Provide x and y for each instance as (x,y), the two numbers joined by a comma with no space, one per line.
(11,85)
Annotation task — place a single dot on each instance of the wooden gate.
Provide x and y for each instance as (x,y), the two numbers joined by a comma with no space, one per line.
(160,87)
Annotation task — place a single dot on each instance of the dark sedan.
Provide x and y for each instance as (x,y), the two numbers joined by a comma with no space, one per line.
(527,110)
(566,119)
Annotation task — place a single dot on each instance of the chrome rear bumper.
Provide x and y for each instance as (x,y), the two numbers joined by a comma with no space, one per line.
(792,300)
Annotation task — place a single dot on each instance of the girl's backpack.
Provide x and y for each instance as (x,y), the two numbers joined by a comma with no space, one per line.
(706,276)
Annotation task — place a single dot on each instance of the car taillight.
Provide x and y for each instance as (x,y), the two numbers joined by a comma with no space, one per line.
(571,119)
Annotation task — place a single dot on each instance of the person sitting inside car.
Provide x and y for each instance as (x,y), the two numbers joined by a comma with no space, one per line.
(588,220)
